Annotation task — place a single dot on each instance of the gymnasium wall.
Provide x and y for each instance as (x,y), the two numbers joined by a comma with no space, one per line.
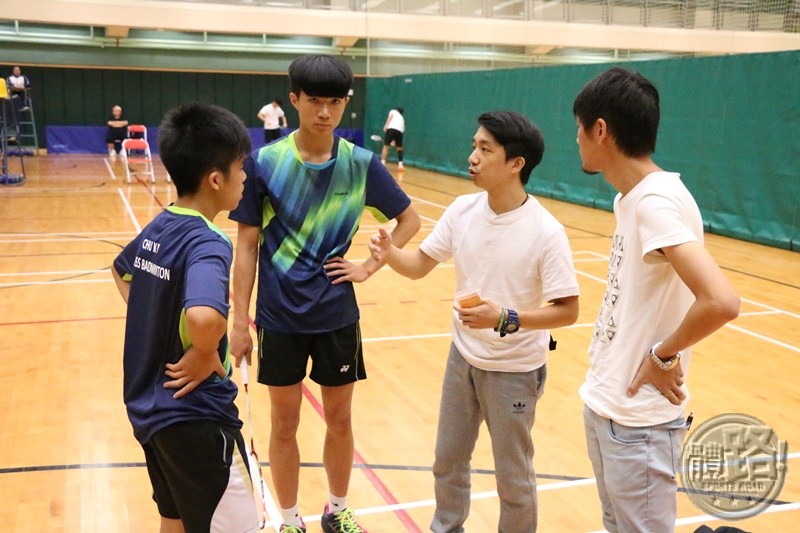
(84,96)
(730,125)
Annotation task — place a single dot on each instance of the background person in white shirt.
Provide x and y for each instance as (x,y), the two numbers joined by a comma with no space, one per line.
(271,114)
(18,86)
(394,127)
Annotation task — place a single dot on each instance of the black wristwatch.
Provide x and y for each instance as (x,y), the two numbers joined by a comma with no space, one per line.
(511,324)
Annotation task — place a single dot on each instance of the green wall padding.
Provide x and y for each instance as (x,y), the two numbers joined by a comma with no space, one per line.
(730,125)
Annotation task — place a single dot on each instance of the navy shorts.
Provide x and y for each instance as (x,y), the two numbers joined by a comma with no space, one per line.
(336,357)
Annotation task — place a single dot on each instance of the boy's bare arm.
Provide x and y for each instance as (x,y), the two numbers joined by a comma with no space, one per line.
(206,326)
(244,277)
(124,287)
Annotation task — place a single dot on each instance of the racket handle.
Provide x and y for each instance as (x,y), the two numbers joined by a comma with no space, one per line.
(245,371)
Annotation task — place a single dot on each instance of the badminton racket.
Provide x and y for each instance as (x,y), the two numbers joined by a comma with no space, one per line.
(259,486)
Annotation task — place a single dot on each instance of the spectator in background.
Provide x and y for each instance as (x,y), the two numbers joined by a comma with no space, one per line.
(18,86)
(394,128)
(117,131)
(271,114)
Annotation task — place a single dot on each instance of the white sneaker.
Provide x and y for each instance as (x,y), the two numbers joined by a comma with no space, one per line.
(112,154)
(400,165)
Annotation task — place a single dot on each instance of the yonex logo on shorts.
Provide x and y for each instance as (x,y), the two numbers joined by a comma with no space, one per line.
(344,368)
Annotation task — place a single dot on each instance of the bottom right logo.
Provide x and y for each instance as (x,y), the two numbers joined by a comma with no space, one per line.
(733,466)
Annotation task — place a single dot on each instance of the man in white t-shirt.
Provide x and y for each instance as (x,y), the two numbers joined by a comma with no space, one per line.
(394,127)
(515,255)
(272,114)
(665,293)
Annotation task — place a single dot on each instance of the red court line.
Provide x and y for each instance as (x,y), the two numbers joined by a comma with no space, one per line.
(379,485)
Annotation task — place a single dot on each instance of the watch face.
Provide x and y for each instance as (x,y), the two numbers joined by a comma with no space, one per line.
(512,327)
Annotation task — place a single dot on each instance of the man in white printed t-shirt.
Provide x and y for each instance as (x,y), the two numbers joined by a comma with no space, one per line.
(665,293)
(515,258)
(272,114)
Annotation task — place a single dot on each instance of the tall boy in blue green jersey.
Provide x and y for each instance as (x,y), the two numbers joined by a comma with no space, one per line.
(174,277)
(302,204)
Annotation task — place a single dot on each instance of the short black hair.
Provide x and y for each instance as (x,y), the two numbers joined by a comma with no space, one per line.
(518,136)
(320,75)
(400,110)
(195,139)
(628,103)
(278,101)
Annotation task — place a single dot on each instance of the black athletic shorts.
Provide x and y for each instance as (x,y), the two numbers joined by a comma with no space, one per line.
(336,357)
(393,135)
(199,473)
(271,135)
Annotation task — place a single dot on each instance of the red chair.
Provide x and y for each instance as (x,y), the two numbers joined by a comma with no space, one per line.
(137,131)
(136,152)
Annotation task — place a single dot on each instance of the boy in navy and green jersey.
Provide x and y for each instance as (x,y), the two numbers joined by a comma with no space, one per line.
(174,277)
(302,204)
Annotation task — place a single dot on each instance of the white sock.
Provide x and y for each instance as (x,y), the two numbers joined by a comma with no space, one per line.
(383,162)
(400,164)
(291,517)
(336,504)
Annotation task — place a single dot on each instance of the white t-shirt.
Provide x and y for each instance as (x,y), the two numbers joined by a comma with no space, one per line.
(396,121)
(645,300)
(272,114)
(520,259)
(18,82)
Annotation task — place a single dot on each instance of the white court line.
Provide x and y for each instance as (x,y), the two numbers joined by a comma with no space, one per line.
(66,239)
(53,273)
(582,273)
(110,170)
(758,313)
(88,233)
(771,308)
(704,517)
(474,496)
(55,282)
(737,328)
(763,337)
(129,210)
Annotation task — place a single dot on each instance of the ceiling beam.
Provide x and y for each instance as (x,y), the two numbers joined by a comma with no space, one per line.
(227,18)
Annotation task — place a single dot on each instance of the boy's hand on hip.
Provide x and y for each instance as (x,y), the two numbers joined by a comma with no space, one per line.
(341,270)
(191,370)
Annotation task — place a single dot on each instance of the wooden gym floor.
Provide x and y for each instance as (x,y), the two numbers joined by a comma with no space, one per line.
(69,462)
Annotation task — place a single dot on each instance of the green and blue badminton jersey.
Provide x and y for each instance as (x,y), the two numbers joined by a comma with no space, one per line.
(308,214)
(180,260)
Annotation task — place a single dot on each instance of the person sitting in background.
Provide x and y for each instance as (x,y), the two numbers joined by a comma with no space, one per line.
(18,86)
(117,131)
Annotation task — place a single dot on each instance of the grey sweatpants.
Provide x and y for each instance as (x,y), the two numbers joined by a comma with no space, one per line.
(507,401)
